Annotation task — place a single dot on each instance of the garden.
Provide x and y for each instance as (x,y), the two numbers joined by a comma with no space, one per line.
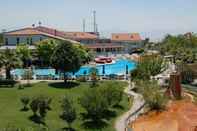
(57,107)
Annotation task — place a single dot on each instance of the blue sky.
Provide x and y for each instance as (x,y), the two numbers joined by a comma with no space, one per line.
(151,18)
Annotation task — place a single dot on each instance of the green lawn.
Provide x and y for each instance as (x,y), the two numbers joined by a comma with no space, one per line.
(10,106)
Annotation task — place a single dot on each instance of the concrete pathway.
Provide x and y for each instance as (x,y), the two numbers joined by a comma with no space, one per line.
(138,102)
(37,81)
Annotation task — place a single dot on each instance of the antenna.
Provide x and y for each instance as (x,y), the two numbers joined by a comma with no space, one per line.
(84,25)
(96,28)
(39,23)
(94,14)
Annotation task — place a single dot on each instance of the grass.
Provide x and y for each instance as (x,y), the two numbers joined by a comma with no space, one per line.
(11,114)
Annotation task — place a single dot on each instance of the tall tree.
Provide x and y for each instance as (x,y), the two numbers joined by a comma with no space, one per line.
(9,60)
(44,50)
(1,39)
(182,47)
(24,54)
(68,57)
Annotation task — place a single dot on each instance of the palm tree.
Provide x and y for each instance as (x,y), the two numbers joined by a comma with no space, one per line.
(24,54)
(9,60)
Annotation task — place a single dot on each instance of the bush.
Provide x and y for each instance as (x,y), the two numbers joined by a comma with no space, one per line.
(187,74)
(34,105)
(112,93)
(154,98)
(94,103)
(68,111)
(41,104)
(25,101)
(94,76)
(82,79)
(7,83)
(148,66)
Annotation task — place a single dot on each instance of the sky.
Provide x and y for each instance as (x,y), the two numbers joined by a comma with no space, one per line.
(150,18)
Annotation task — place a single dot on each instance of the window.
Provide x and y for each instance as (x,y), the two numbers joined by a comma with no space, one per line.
(40,38)
(17,40)
(6,41)
(31,41)
(117,37)
(132,37)
(27,41)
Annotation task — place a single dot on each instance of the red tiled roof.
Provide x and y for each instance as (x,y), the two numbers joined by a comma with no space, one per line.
(81,35)
(103,45)
(50,31)
(25,31)
(40,31)
(126,37)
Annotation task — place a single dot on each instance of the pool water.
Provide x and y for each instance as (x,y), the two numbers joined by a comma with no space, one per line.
(117,68)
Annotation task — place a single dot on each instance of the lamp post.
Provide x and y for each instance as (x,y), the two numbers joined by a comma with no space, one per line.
(103,69)
(127,71)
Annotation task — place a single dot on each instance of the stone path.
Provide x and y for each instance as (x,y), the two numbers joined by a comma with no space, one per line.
(131,115)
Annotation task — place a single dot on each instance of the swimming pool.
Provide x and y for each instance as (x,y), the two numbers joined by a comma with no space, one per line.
(117,68)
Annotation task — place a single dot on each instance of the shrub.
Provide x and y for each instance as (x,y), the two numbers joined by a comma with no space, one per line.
(68,111)
(25,101)
(94,76)
(7,83)
(94,103)
(148,66)
(187,74)
(82,79)
(41,104)
(154,98)
(112,93)
(34,105)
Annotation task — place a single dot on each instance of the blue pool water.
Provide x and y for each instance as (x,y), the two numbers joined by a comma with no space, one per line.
(119,67)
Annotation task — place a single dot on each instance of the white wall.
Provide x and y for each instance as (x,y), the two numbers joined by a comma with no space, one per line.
(12,40)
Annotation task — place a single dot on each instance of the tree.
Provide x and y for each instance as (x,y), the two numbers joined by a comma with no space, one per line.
(9,60)
(95,105)
(68,111)
(24,54)
(1,38)
(44,50)
(67,57)
(148,66)
(112,93)
(94,76)
(182,47)
(25,101)
(86,54)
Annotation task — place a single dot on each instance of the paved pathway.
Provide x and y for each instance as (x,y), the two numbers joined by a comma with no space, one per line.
(131,115)
(37,81)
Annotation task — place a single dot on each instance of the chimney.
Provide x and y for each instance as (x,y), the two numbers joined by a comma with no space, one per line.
(33,25)
(55,32)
